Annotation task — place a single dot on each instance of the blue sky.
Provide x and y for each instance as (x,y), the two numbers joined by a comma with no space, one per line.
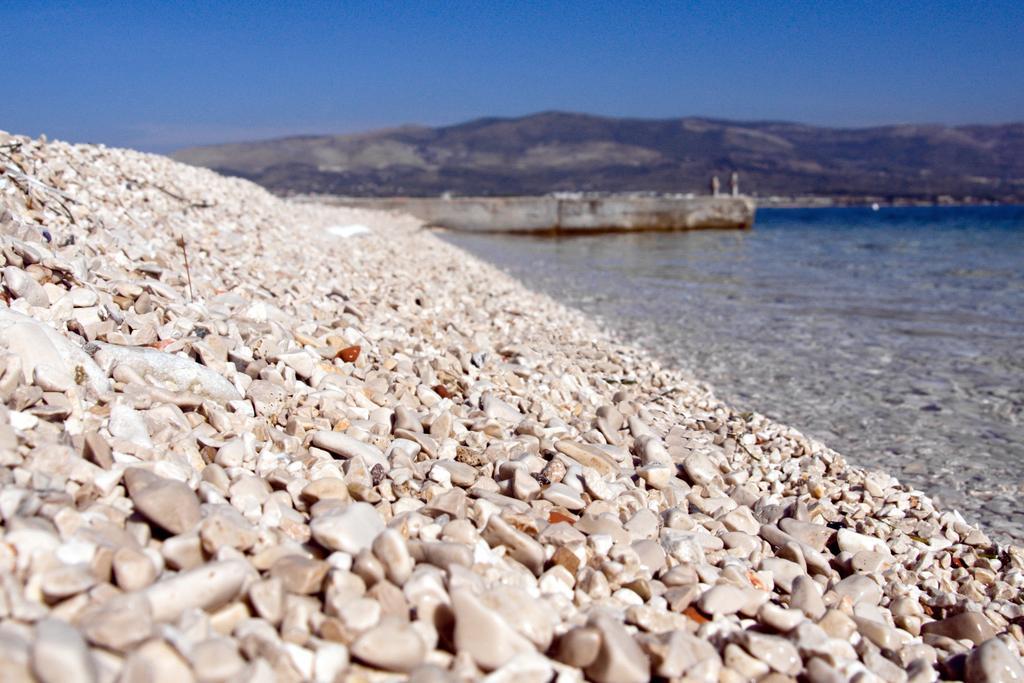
(161,75)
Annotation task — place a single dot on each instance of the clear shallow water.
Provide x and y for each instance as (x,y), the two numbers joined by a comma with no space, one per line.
(896,336)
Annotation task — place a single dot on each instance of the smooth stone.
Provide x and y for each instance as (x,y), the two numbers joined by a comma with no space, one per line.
(118,624)
(389,547)
(168,503)
(563,496)
(778,653)
(179,372)
(722,599)
(326,488)
(859,588)
(133,569)
(783,571)
(521,547)
(699,469)
(127,423)
(579,646)
(852,542)
(741,519)
(588,456)
(814,535)
(528,667)
(347,447)
(483,634)
(155,661)
(805,595)
(496,408)
(461,474)
(972,626)
(267,397)
(67,580)
(300,575)
(878,633)
(620,659)
(24,286)
(392,646)
(992,662)
(687,654)
(39,344)
(656,475)
(206,587)
(869,562)
(60,655)
(350,529)
(216,659)
(406,419)
(779,618)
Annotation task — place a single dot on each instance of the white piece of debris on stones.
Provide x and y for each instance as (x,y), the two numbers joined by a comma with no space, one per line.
(379,459)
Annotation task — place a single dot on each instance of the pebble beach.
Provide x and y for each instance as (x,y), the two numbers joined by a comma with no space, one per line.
(247,439)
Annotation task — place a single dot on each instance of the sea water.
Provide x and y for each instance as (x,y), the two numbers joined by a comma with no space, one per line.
(895,336)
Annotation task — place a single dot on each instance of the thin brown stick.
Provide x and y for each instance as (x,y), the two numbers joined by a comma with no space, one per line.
(195,205)
(188,271)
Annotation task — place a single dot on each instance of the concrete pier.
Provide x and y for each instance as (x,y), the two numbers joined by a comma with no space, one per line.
(556,215)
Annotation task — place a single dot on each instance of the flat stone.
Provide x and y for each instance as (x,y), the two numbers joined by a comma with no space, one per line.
(24,286)
(225,527)
(133,569)
(326,488)
(992,662)
(859,588)
(852,542)
(64,581)
(300,575)
(347,447)
(579,646)
(155,660)
(806,596)
(498,409)
(722,599)
(127,423)
(60,655)
(267,598)
(206,587)
(588,456)
(620,659)
(741,519)
(563,496)
(699,469)
(878,633)
(813,535)
(389,547)
(391,646)
(168,503)
(483,634)
(349,529)
(119,623)
(176,372)
(972,626)
(521,547)
(267,397)
(778,653)
(216,659)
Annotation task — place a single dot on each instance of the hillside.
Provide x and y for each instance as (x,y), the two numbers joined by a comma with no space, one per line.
(557,151)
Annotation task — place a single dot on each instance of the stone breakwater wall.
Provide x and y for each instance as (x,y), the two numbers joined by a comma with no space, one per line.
(315,458)
(554,215)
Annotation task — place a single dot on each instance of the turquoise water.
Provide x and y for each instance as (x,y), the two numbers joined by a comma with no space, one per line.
(896,336)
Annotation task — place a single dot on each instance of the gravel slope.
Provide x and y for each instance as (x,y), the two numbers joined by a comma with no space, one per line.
(313,457)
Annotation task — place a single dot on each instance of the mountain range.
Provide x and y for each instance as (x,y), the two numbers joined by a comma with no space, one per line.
(558,151)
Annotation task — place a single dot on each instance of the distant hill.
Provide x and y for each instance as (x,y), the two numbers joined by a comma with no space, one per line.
(557,151)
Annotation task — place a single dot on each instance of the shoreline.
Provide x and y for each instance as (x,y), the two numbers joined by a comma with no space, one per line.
(596,514)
